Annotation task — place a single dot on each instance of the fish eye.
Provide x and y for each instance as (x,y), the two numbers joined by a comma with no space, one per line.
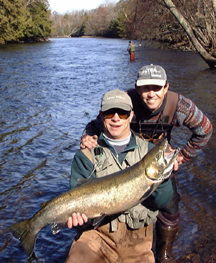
(158,156)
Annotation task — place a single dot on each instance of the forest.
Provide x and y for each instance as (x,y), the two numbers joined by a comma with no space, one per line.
(181,24)
(24,21)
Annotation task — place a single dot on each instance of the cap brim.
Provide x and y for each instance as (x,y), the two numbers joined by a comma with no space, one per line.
(144,82)
(122,106)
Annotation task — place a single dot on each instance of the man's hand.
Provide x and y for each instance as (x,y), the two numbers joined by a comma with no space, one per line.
(88,141)
(176,165)
(77,219)
(179,159)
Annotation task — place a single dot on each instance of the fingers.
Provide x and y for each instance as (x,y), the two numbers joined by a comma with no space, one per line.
(88,141)
(169,153)
(175,165)
(95,138)
(77,219)
(169,150)
(69,222)
(85,218)
(180,159)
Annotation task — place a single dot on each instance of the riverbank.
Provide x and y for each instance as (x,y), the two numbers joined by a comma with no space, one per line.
(49,92)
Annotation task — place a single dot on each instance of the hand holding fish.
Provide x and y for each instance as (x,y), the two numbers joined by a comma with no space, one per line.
(179,159)
(77,219)
(102,196)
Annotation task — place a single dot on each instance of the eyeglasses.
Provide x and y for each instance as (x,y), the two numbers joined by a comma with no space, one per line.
(109,114)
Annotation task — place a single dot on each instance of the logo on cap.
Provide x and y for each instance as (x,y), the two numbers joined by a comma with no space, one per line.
(151,75)
(116,99)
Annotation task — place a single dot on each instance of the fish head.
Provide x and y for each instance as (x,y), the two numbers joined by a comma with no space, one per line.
(159,164)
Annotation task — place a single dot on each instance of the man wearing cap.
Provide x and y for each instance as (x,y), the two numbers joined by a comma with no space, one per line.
(131,50)
(157,110)
(126,237)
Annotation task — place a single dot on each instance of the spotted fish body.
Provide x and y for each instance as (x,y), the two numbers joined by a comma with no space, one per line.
(108,195)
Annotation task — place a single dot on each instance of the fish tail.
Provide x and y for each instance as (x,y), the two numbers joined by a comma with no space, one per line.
(23,232)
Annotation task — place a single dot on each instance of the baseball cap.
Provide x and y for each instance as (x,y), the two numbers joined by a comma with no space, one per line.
(151,75)
(116,99)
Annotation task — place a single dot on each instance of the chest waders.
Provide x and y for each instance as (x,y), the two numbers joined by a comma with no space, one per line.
(132,52)
(154,129)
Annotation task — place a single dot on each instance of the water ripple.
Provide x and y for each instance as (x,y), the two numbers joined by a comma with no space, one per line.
(49,92)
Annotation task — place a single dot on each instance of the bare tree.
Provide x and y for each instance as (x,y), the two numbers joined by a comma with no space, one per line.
(99,19)
(214,5)
(202,34)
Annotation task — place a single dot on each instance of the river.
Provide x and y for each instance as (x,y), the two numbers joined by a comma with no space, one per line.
(49,92)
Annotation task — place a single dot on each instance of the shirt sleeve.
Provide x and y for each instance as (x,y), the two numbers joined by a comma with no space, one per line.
(82,169)
(189,115)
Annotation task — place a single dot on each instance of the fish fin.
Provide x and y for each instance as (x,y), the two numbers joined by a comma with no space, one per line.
(43,204)
(57,227)
(97,221)
(23,232)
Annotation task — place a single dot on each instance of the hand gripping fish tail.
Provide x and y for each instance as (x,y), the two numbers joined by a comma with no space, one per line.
(108,195)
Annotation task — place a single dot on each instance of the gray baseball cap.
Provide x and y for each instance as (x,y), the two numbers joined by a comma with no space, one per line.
(116,99)
(151,75)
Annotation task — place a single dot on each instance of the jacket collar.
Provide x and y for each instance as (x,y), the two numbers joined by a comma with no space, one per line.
(102,141)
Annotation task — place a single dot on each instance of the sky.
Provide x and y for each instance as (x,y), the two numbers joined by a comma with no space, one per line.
(63,6)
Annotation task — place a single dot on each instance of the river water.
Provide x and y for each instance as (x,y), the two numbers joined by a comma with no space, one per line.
(49,91)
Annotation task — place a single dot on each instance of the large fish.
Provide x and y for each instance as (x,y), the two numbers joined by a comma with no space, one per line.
(108,195)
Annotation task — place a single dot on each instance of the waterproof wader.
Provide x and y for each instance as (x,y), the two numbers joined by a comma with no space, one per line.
(152,128)
(132,56)
(167,227)
(122,246)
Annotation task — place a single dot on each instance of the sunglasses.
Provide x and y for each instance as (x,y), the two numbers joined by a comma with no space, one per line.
(109,114)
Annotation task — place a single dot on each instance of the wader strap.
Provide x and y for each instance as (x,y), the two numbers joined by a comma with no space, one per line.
(171,105)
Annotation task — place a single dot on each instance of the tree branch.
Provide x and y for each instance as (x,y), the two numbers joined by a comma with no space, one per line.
(207,57)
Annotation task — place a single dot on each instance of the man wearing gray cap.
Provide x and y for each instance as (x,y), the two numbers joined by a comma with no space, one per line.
(124,238)
(157,110)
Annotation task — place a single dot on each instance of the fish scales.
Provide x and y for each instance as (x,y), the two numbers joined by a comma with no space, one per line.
(107,195)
